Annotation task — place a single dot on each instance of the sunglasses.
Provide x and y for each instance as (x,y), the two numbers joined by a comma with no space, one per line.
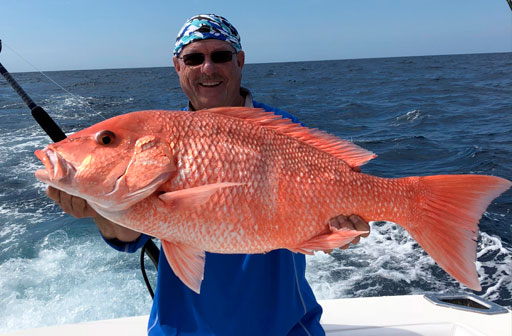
(194,59)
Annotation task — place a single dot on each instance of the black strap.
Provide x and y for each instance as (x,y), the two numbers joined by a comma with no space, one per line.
(153,253)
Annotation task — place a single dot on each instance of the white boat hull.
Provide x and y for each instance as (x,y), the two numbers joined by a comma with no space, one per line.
(409,315)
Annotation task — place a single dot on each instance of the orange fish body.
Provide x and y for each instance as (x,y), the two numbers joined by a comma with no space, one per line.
(239,180)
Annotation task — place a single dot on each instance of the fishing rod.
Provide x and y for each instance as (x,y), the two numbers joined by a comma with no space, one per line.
(39,114)
(56,134)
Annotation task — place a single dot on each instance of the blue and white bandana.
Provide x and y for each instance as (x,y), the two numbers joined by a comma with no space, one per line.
(207,26)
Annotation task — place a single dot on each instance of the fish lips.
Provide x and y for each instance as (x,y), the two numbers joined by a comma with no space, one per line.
(57,170)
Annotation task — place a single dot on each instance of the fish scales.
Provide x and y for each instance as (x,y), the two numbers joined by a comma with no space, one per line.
(240,180)
(264,207)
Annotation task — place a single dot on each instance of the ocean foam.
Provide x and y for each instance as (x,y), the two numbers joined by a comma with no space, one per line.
(494,268)
(70,280)
(390,262)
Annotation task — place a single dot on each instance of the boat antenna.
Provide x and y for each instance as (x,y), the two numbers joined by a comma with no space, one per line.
(56,134)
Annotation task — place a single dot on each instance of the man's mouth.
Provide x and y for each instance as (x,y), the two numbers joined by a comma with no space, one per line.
(210,84)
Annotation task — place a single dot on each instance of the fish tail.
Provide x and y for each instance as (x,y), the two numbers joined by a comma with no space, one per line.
(448,208)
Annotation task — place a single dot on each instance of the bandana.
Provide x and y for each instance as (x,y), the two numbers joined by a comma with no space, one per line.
(207,26)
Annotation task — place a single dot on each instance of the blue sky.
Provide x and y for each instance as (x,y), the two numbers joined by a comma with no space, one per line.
(94,34)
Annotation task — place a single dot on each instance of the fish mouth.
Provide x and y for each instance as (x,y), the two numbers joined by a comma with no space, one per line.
(56,168)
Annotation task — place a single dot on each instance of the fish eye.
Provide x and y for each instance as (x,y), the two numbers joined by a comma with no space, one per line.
(105,137)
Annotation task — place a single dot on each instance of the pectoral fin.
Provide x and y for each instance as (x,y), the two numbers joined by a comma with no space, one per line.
(187,263)
(194,197)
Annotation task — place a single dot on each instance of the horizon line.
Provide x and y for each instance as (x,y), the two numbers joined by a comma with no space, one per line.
(277,62)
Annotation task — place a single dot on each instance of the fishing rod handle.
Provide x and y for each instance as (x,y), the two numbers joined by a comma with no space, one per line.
(47,124)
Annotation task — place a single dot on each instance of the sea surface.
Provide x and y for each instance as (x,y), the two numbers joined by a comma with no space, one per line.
(421,115)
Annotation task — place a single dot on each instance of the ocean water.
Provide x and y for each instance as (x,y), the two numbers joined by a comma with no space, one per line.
(421,115)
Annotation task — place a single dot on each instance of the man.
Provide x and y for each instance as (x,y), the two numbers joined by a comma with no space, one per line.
(263,294)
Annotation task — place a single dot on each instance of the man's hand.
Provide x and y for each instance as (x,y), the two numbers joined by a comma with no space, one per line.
(72,205)
(79,208)
(352,222)
(112,230)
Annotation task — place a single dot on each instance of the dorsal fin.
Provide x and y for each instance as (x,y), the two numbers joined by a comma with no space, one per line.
(349,152)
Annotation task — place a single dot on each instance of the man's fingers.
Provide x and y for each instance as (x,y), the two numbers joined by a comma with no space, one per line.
(359,225)
(356,240)
(72,205)
(53,194)
(352,222)
(79,206)
(340,221)
(89,212)
(65,202)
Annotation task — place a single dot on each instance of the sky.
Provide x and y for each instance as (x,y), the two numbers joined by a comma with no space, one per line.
(105,34)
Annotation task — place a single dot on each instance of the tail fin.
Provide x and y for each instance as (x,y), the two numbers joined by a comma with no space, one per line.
(450,208)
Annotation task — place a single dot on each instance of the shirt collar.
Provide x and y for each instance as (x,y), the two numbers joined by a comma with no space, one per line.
(247,96)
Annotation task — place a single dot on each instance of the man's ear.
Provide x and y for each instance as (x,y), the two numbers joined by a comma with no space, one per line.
(176,63)
(240,56)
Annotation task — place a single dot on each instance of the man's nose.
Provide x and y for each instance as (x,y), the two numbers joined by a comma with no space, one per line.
(208,65)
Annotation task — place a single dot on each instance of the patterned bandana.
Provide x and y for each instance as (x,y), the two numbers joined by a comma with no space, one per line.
(207,26)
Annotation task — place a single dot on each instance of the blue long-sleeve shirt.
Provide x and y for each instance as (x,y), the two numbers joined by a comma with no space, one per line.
(241,294)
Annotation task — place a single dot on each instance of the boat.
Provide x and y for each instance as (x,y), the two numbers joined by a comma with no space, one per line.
(408,315)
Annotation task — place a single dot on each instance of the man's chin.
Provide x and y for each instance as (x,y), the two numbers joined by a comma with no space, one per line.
(210,103)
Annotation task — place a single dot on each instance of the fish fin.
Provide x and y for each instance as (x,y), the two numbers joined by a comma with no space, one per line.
(450,207)
(193,197)
(349,152)
(187,263)
(327,241)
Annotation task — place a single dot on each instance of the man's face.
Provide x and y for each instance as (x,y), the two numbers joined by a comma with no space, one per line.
(210,84)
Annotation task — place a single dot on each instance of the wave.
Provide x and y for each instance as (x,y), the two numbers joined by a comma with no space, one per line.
(390,262)
(411,116)
(68,281)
